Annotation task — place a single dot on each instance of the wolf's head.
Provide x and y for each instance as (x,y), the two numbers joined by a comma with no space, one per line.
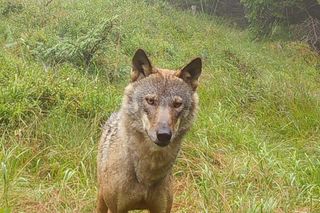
(160,103)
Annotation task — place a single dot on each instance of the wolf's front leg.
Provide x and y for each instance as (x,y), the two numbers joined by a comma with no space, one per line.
(162,205)
(101,205)
(109,211)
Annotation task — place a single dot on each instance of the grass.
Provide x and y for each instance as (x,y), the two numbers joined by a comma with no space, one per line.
(253,148)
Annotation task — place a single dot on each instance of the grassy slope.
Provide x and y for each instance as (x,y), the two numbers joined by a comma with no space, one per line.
(254,147)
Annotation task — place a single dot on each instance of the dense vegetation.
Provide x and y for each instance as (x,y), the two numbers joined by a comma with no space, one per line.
(63,66)
(266,18)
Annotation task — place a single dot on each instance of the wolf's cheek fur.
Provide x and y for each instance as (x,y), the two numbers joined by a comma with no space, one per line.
(177,125)
(176,128)
(147,127)
(145,122)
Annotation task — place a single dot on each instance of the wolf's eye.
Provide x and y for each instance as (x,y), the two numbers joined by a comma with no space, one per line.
(177,104)
(150,101)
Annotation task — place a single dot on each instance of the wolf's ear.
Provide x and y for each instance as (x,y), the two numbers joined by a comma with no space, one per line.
(141,65)
(191,72)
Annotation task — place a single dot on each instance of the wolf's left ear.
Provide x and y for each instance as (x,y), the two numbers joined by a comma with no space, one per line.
(191,72)
(141,65)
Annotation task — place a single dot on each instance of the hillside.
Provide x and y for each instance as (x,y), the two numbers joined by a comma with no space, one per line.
(254,147)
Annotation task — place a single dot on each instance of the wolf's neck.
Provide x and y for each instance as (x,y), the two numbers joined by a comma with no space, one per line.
(151,166)
(150,163)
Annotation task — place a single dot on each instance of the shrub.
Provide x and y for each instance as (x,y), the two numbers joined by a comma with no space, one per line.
(80,51)
(10,8)
(309,31)
(263,15)
(233,10)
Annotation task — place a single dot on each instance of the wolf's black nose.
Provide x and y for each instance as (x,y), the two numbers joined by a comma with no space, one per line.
(164,136)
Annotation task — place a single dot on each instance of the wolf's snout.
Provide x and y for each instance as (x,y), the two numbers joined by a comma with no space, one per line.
(163,135)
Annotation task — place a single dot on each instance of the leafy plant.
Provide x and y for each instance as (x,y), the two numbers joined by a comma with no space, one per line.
(264,15)
(80,51)
(10,8)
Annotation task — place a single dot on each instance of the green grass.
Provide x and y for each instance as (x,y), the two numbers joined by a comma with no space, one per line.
(255,146)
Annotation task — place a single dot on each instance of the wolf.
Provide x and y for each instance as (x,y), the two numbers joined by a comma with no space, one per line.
(141,141)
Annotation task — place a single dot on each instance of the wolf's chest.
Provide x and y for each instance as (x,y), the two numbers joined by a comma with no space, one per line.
(152,168)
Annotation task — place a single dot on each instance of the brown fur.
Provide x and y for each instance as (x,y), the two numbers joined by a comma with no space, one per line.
(140,143)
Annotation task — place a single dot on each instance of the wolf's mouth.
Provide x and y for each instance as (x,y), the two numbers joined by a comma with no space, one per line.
(162,143)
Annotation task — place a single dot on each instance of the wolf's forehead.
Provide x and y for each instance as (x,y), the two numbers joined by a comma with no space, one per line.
(164,86)
(165,72)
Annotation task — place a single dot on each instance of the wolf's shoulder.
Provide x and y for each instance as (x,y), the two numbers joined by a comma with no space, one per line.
(112,121)
(110,129)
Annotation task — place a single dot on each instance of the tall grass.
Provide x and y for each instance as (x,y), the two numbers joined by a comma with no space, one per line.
(253,148)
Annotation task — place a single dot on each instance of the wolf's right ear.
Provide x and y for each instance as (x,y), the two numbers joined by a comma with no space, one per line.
(141,66)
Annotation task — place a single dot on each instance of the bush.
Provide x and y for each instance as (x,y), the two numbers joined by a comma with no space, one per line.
(233,10)
(263,15)
(80,52)
(10,8)
(309,31)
